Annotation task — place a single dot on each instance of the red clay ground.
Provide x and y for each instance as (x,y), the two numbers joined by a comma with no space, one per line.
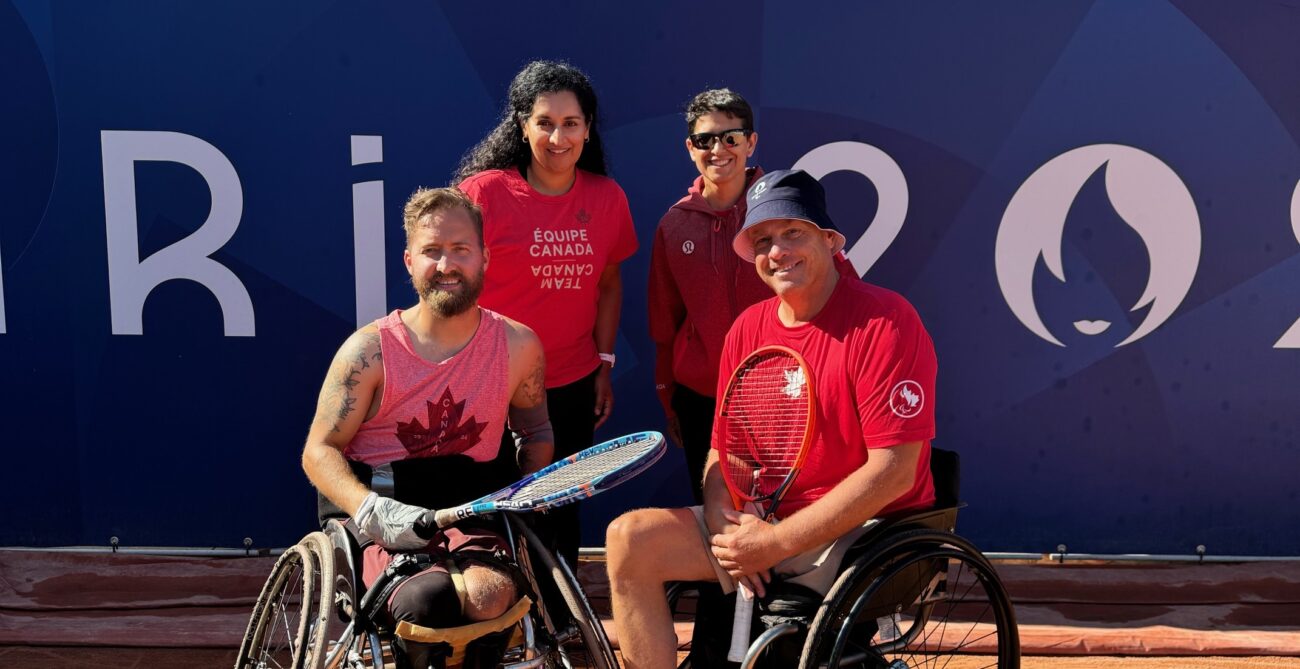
(137,658)
(60,610)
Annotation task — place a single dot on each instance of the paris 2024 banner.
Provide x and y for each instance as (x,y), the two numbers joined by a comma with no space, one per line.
(1093,206)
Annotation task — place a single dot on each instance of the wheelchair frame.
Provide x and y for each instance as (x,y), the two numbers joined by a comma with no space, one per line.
(313,612)
(898,586)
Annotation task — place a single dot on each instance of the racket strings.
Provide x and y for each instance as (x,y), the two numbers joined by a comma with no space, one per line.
(584,471)
(766,417)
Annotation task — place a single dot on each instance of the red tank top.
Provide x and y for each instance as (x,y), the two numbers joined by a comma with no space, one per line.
(457,406)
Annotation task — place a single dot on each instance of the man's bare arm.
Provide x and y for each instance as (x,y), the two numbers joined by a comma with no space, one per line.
(346,399)
(528,416)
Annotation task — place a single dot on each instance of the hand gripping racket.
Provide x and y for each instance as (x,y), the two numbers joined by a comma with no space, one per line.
(767,415)
(574,478)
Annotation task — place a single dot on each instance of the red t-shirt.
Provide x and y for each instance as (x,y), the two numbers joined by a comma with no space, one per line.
(547,253)
(873,368)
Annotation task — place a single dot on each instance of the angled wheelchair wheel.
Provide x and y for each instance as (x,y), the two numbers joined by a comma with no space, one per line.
(922,598)
(574,636)
(320,612)
(348,645)
(277,630)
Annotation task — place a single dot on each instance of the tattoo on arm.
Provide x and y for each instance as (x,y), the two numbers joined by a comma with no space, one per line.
(533,387)
(338,396)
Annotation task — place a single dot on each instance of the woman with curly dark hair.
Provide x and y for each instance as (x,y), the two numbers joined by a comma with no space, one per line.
(556,229)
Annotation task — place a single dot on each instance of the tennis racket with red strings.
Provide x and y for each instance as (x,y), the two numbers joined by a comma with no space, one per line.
(767,414)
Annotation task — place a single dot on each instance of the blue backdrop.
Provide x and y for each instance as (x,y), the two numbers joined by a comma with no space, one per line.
(1093,205)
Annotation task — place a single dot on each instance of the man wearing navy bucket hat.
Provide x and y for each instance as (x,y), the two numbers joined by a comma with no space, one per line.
(873,368)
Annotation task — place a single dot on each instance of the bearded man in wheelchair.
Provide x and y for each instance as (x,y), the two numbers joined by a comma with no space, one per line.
(419,399)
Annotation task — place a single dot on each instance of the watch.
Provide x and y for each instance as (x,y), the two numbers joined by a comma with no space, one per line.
(607,357)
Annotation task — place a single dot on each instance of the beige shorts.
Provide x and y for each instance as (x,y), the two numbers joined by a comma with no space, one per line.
(815,569)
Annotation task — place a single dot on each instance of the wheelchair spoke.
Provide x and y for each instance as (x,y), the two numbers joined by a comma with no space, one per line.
(942,628)
(927,599)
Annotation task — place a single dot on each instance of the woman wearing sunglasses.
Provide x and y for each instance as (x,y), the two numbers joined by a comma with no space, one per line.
(697,283)
(556,229)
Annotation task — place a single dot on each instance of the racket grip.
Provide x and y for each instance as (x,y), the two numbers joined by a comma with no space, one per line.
(434,520)
(740,625)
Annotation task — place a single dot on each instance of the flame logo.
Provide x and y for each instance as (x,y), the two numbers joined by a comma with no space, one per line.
(1147,195)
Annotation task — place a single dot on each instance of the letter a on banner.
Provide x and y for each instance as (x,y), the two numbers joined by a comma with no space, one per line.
(130,279)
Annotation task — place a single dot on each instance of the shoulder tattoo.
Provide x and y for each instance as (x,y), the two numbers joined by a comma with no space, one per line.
(338,397)
(533,386)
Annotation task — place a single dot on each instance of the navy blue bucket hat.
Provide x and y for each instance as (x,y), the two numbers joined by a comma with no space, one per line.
(785,194)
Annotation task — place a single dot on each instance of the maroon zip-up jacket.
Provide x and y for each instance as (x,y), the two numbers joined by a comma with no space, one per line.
(698,286)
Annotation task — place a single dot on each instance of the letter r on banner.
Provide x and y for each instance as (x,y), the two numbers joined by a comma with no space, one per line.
(130,279)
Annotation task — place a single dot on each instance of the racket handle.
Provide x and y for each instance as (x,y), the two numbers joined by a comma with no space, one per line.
(434,520)
(740,625)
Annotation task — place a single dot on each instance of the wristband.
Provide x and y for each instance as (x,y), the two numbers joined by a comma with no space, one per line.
(607,357)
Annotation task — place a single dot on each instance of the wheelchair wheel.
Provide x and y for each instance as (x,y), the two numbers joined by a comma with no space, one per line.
(923,598)
(321,613)
(277,630)
(577,637)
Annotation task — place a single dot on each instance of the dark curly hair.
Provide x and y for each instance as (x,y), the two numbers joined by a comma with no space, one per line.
(722,100)
(504,147)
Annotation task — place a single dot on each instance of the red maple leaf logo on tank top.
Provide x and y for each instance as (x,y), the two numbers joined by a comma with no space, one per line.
(445,434)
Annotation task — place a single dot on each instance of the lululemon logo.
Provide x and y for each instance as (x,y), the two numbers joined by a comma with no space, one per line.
(906,399)
(1144,192)
(758,190)
(688,247)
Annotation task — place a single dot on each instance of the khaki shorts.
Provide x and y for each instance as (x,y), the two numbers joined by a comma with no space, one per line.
(815,569)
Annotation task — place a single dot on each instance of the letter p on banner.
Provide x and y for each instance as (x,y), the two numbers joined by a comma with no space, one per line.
(130,279)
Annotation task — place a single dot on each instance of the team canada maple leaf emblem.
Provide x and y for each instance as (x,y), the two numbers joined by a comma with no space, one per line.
(445,434)
(907,399)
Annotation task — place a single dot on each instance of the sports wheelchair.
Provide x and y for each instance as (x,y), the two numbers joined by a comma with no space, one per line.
(910,593)
(315,613)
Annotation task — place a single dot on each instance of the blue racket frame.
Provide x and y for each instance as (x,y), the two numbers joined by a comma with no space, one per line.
(502,500)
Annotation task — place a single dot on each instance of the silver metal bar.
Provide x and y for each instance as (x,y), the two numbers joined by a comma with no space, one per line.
(1146,557)
(598,554)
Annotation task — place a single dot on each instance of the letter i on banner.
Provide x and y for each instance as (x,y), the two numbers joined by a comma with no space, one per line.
(368,232)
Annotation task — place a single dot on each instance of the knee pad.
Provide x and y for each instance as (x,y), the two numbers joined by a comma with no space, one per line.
(428,599)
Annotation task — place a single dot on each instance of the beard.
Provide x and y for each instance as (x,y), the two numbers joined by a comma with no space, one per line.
(447,303)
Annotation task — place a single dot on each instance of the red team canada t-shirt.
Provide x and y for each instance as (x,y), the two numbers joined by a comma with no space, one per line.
(873,368)
(547,254)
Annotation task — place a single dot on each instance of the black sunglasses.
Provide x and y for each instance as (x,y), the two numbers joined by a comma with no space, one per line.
(731,138)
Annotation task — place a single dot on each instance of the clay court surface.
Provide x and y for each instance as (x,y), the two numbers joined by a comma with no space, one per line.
(128,658)
(78,610)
